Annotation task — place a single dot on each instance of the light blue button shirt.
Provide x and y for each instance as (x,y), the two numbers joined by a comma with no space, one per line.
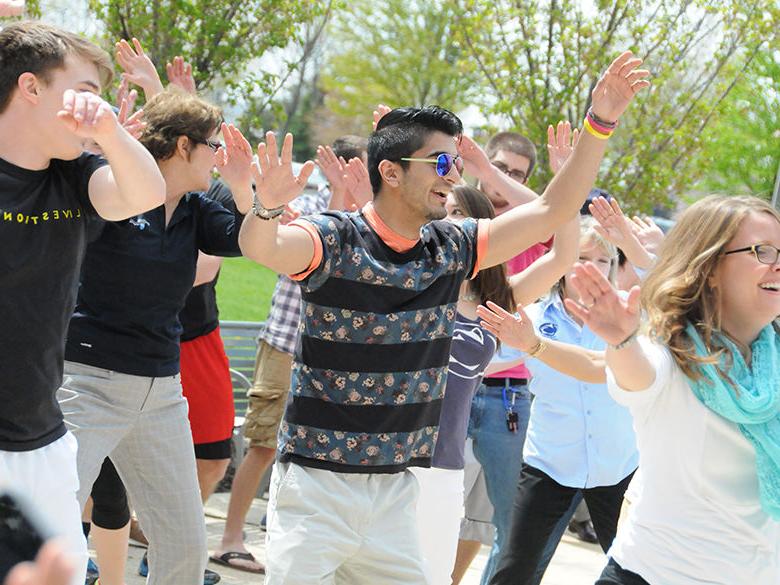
(577,434)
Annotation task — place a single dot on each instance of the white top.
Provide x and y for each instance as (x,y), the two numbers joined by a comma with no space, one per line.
(696,518)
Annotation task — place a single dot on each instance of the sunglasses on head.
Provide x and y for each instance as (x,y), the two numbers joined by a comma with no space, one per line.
(444,163)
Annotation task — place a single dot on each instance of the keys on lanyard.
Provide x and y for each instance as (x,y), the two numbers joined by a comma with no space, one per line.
(511,415)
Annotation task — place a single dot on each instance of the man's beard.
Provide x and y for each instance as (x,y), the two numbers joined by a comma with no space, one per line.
(434,214)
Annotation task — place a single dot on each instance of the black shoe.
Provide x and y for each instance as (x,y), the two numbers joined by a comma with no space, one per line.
(584,531)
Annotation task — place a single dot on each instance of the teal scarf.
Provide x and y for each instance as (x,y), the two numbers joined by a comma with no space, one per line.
(754,406)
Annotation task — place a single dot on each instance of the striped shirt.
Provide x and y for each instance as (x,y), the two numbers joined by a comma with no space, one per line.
(371,365)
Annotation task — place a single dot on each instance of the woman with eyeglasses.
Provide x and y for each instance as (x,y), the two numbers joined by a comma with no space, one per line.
(703,386)
(122,395)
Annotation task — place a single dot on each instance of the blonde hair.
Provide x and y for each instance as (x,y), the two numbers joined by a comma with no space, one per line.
(588,233)
(677,290)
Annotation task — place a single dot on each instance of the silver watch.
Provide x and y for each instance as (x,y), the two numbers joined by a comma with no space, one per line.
(259,211)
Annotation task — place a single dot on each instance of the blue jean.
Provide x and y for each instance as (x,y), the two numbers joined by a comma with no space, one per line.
(500,452)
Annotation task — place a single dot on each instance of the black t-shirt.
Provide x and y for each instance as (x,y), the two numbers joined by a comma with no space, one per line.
(200,315)
(43,231)
(135,278)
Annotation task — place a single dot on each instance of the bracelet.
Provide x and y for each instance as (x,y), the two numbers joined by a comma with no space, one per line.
(600,121)
(267,214)
(537,349)
(593,132)
(626,341)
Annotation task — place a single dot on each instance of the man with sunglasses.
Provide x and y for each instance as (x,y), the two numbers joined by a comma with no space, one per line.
(380,289)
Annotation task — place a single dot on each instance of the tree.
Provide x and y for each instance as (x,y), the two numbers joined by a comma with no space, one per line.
(223,39)
(539,61)
(741,150)
(398,52)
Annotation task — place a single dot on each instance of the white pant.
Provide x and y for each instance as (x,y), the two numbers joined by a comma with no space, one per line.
(48,477)
(439,510)
(326,527)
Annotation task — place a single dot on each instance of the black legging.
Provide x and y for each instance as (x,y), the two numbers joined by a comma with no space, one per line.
(110,509)
(539,504)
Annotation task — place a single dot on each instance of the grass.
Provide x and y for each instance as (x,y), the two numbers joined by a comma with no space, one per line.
(244,290)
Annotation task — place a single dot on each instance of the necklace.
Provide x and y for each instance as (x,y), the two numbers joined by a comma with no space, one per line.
(469,296)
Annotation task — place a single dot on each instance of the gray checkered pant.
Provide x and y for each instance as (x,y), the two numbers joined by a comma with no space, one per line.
(142,424)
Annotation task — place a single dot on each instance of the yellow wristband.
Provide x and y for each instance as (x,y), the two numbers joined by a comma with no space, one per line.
(592,131)
(540,346)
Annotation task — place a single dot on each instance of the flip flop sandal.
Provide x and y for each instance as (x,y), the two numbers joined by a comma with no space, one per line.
(226,558)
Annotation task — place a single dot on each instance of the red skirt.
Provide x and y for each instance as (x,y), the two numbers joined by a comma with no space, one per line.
(205,380)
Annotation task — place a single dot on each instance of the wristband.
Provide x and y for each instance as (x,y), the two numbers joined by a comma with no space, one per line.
(537,349)
(626,341)
(593,132)
(267,214)
(599,121)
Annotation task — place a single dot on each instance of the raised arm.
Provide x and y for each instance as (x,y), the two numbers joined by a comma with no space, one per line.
(283,249)
(333,169)
(206,269)
(616,321)
(11,8)
(138,67)
(527,224)
(518,331)
(477,163)
(132,182)
(234,163)
(533,282)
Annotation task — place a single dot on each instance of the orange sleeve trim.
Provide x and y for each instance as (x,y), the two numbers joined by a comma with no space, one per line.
(314,234)
(483,234)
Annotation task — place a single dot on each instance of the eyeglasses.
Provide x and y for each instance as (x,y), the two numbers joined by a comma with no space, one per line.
(444,163)
(515,174)
(214,145)
(765,253)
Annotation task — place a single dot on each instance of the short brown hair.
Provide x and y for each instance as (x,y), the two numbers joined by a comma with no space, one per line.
(515,143)
(37,48)
(350,146)
(174,113)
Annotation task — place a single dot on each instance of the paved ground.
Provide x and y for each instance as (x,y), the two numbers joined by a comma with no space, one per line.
(575,563)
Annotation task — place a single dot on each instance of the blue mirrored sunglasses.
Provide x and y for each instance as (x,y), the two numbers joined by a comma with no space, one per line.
(444,163)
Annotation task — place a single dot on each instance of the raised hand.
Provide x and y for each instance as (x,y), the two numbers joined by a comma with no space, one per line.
(275,181)
(138,67)
(234,159)
(617,87)
(358,183)
(380,112)
(601,308)
(52,566)
(648,233)
(475,160)
(11,8)
(180,73)
(560,144)
(515,330)
(613,225)
(87,115)
(133,124)
(331,166)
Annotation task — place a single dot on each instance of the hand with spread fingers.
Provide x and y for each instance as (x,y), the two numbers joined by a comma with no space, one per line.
(380,112)
(648,233)
(358,183)
(332,167)
(601,308)
(560,144)
(180,74)
(615,227)
(475,160)
(87,115)
(234,159)
(275,180)
(617,87)
(138,67)
(514,330)
(11,7)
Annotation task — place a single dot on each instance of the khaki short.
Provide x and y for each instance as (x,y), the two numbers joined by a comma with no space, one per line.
(268,396)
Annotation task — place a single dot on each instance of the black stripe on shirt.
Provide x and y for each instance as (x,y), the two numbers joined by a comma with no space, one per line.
(351,418)
(360,296)
(362,357)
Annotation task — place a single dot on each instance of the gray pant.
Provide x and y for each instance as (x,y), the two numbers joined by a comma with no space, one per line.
(141,423)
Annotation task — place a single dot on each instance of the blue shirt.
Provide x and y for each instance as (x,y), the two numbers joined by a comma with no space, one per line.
(577,433)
